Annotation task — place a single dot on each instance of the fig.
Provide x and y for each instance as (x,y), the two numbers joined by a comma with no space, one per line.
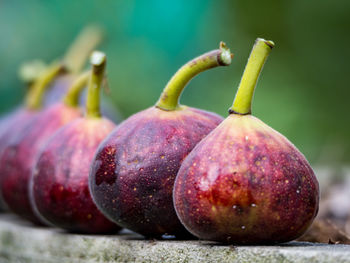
(14,120)
(245,183)
(38,78)
(26,138)
(59,190)
(133,172)
(49,82)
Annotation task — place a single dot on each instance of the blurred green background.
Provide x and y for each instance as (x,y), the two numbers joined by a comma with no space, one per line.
(303,91)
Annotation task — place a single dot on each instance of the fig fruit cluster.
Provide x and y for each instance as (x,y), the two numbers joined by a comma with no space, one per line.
(169,170)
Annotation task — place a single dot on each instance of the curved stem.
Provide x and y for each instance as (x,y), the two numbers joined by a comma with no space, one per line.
(98,61)
(82,47)
(169,99)
(36,93)
(72,97)
(244,96)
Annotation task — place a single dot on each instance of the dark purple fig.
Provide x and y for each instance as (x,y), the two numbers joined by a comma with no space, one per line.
(18,155)
(245,183)
(59,190)
(133,172)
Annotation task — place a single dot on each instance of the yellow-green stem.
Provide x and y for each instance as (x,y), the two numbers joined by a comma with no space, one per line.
(98,61)
(72,97)
(169,99)
(243,101)
(35,96)
(81,48)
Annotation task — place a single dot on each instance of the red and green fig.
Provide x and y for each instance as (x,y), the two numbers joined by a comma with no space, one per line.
(133,172)
(59,190)
(18,156)
(245,183)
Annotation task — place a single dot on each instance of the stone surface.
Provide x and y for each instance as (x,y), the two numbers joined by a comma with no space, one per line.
(21,242)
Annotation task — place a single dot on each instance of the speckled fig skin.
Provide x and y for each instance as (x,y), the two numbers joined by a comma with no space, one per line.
(18,157)
(245,183)
(133,173)
(59,185)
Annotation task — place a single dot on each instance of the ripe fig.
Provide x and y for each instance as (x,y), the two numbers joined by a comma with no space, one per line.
(133,172)
(18,155)
(59,190)
(38,77)
(245,183)
(16,119)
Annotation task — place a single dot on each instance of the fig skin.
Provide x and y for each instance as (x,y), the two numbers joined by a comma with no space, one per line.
(245,183)
(59,185)
(19,155)
(134,169)
(10,122)
(8,125)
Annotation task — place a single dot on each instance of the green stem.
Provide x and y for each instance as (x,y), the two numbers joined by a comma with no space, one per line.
(169,99)
(36,93)
(244,96)
(98,61)
(72,97)
(81,48)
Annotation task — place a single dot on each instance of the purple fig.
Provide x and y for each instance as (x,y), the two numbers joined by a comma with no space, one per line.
(59,190)
(245,183)
(38,77)
(133,172)
(16,119)
(18,156)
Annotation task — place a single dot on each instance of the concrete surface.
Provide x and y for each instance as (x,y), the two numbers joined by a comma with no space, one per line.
(22,242)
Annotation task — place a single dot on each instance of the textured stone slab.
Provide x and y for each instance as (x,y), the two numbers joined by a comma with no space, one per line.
(21,242)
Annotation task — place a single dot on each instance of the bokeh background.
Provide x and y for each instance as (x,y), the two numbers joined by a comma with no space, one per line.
(303,91)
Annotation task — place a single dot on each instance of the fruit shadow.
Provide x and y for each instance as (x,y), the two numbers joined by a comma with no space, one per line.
(130,235)
(287,244)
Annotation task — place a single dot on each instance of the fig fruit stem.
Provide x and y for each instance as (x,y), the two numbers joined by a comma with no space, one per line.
(72,97)
(81,48)
(38,88)
(98,61)
(243,101)
(169,99)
